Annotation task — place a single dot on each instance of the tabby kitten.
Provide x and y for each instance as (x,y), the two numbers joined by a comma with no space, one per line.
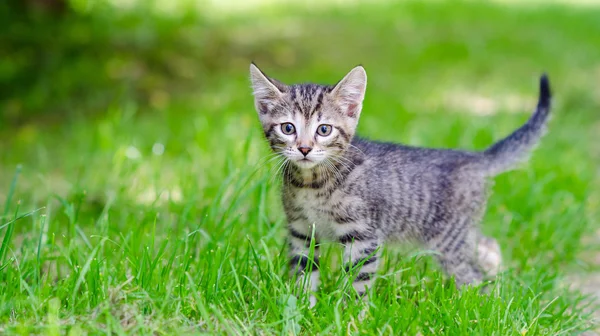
(363,193)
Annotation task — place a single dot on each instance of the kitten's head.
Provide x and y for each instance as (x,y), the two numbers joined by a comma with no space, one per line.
(309,124)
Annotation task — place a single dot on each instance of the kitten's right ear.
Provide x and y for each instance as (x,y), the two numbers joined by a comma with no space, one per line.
(266,91)
(349,93)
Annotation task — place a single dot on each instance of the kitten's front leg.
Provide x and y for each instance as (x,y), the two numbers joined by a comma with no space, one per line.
(361,252)
(304,264)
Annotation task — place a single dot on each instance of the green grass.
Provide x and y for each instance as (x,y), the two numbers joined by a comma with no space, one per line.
(102,234)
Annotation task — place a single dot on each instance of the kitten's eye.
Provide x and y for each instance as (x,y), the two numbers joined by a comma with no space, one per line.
(324,130)
(288,128)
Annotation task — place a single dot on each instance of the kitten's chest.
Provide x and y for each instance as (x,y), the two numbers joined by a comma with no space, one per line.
(315,209)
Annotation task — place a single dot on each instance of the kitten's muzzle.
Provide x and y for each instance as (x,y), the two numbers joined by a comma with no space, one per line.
(304,150)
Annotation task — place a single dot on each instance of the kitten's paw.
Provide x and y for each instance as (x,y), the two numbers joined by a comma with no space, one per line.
(363,313)
(489,256)
(312,301)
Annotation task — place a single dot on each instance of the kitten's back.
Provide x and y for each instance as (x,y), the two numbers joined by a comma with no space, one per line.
(498,158)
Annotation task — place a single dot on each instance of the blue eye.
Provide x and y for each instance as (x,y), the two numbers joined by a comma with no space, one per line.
(288,128)
(324,130)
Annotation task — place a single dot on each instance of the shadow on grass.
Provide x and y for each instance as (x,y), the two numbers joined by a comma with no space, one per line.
(62,63)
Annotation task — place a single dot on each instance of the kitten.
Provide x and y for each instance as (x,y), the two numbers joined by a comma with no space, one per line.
(363,193)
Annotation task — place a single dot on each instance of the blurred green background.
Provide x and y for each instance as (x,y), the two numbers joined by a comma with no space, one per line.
(132,122)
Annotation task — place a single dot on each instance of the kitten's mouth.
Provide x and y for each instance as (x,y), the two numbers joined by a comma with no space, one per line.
(305,163)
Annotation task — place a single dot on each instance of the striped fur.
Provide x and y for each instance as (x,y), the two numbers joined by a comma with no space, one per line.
(364,193)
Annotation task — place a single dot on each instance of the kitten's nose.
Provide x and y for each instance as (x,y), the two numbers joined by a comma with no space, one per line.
(304,150)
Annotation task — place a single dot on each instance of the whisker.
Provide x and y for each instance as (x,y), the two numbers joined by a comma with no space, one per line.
(281,165)
(340,160)
(358,149)
(325,167)
(285,170)
(323,171)
(341,156)
(273,166)
(333,168)
(267,158)
(268,163)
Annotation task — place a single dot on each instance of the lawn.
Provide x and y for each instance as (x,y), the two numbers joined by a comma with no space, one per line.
(136,196)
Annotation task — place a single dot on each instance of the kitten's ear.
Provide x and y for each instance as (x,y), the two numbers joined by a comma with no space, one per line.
(350,91)
(266,90)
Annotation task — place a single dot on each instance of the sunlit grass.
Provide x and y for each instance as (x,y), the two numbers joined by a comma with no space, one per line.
(161,216)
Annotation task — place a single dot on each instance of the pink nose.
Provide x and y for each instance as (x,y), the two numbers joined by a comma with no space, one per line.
(304,150)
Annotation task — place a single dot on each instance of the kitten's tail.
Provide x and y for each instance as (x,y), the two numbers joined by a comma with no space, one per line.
(515,148)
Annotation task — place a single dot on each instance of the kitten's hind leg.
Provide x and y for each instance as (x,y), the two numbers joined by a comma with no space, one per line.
(457,253)
(489,255)
(462,264)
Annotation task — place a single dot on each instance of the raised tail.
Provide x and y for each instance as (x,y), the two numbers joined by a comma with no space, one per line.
(515,148)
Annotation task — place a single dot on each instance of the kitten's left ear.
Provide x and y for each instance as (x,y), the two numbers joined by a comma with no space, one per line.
(266,90)
(349,93)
